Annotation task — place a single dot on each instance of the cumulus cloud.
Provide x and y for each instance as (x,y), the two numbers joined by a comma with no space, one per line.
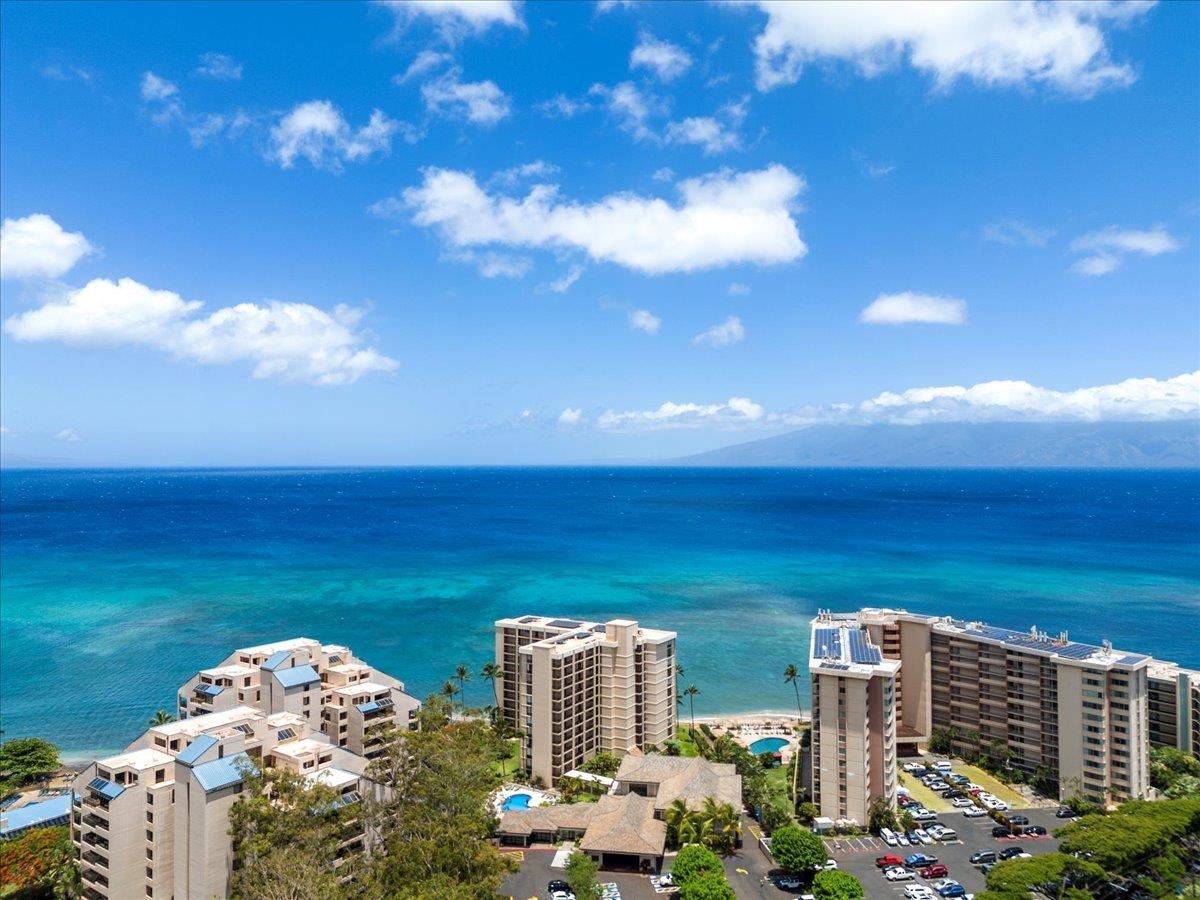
(724,334)
(666,60)
(631,107)
(456,18)
(666,173)
(70,435)
(1015,233)
(218,67)
(284,341)
(711,135)
(996,44)
(567,281)
(481,102)
(570,416)
(425,62)
(734,413)
(722,219)
(737,289)
(636,110)
(644,320)
(157,88)
(1106,250)
(524,172)
(1135,399)
(907,307)
(37,247)
(560,106)
(318,132)
(495,265)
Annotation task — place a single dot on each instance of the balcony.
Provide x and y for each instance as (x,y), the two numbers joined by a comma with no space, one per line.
(94,821)
(95,859)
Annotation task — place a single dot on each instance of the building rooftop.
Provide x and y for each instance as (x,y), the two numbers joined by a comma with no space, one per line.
(333,777)
(691,779)
(840,644)
(140,760)
(221,773)
(625,824)
(1160,669)
(276,646)
(1041,643)
(196,749)
(581,627)
(296,676)
(56,811)
(208,722)
(301,748)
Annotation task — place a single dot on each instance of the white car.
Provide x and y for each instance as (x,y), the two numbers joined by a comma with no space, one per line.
(941,883)
(918,892)
(974,812)
(896,873)
(923,815)
(888,836)
(827,865)
(923,836)
(902,839)
(961,802)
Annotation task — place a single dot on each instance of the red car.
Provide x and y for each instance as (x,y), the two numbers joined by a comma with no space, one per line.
(886,862)
(937,870)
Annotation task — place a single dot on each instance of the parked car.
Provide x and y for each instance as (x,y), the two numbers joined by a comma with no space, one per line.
(789,882)
(887,862)
(961,802)
(888,837)
(918,892)
(1018,820)
(923,836)
(1065,812)
(947,834)
(558,885)
(1012,853)
(917,860)
(999,831)
(1038,830)
(983,856)
(974,812)
(954,889)
(899,874)
(827,865)
(958,779)
(985,868)
(937,870)
(944,765)
(922,815)
(902,839)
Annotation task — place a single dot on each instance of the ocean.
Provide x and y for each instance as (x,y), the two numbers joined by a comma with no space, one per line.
(117,585)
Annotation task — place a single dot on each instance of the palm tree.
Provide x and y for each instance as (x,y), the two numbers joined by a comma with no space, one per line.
(690,692)
(160,717)
(792,677)
(463,674)
(724,824)
(448,691)
(494,674)
(676,815)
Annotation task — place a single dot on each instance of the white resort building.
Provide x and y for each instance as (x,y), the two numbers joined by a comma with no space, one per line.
(153,821)
(577,688)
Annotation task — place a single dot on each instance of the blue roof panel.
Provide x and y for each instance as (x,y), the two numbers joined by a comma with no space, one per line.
(220,773)
(209,690)
(297,676)
(106,788)
(196,749)
(56,811)
(275,660)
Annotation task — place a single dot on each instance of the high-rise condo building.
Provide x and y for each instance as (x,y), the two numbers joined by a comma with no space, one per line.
(153,821)
(576,688)
(1174,707)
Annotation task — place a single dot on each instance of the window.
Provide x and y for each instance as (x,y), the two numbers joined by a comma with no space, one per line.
(149,798)
(150,872)
(149,835)
(160,775)
(150,817)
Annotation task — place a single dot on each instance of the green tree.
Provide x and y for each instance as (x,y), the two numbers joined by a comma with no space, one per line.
(807,812)
(724,825)
(797,850)
(160,717)
(287,873)
(836,885)
(1184,786)
(449,691)
(693,862)
(24,759)
(463,674)
(581,876)
(603,763)
(792,676)
(709,886)
(493,674)
(880,815)
(941,740)
(1053,875)
(690,692)
(676,816)
(1169,764)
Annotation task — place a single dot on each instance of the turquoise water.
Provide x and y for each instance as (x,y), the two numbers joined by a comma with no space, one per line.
(768,745)
(115,586)
(515,801)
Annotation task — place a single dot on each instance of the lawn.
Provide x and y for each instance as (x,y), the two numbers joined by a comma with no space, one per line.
(777,779)
(991,784)
(924,796)
(506,768)
(687,746)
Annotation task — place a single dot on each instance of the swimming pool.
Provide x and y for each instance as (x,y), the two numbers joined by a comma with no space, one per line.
(516,801)
(768,745)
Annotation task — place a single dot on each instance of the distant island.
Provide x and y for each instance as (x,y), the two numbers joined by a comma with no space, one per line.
(1159,445)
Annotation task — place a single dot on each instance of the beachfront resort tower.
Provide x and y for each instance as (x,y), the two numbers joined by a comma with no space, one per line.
(853,719)
(153,821)
(1173,700)
(576,688)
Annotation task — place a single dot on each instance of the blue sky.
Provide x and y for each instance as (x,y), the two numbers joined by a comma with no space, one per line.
(436,233)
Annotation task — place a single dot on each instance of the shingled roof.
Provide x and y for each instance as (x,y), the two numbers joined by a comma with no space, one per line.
(525,822)
(625,824)
(690,778)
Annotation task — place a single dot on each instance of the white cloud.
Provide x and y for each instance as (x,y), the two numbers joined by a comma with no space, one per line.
(156,88)
(284,341)
(37,247)
(565,283)
(457,17)
(631,107)
(880,170)
(536,169)
(666,173)
(318,132)
(737,289)
(1000,43)
(711,135)
(1135,399)
(1108,248)
(735,412)
(724,334)
(1015,233)
(426,61)
(560,106)
(666,60)
(481,102)
(496,265)
(644,320)
(570,416)
(908,307)
(56,72)
(70,435)
(219,67)
(603,6)
(723,218)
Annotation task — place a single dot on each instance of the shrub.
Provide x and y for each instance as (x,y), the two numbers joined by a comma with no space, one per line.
(796,850)
(709,886)
(836,885)
(695,861)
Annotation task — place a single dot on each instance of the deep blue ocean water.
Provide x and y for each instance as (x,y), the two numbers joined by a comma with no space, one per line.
(115,586)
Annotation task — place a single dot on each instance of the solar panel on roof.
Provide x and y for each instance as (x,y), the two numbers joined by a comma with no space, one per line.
(599,629)
(244,729)
(564,623)
(829,642)
(526,620)
(286,734)
(861,650)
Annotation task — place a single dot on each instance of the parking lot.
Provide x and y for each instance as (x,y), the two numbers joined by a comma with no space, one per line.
(974,834)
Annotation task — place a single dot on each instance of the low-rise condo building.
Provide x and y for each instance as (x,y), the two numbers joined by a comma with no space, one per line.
(153,821)
(576,688)
(853,720)
(1074,713)
(1173,701)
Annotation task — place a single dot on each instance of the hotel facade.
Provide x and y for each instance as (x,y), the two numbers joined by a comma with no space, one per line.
(1174,707)
(1075,713)
(153,821)
(576,688)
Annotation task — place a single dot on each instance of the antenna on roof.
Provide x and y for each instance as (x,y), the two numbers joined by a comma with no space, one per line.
(1107,645)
